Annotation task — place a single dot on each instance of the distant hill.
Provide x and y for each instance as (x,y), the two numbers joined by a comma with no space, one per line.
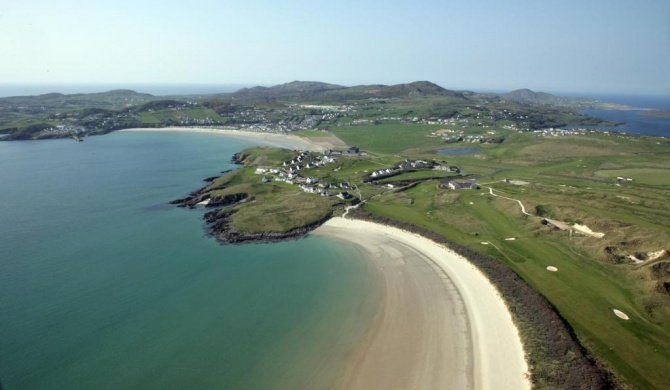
(526,96)
(294,89)
(417,88)
(310,90)
(530,97)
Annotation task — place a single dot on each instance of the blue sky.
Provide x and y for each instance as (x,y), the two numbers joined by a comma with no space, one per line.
(615,46)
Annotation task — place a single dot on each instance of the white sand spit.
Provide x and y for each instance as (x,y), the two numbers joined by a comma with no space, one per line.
(288,141)
(620,314)
(442,323)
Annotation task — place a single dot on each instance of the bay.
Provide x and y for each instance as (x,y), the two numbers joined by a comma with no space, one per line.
(104,285)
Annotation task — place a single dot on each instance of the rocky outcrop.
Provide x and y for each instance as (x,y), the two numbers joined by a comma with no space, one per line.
(238,158)
(221,227)
(227,200)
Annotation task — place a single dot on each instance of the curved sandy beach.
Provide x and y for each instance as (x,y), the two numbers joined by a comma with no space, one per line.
(442,324)
(288,141)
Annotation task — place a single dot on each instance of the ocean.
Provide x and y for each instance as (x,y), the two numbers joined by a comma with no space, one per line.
(103,285)
(635,121)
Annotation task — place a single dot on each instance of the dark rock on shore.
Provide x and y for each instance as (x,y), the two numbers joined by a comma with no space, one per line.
(194,198)
(182,202)
(238,158)
(227,200)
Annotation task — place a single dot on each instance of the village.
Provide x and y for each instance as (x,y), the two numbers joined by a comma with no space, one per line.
(290,173)
(293,172)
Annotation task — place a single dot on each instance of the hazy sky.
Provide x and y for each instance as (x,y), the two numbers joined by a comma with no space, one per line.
(618,46)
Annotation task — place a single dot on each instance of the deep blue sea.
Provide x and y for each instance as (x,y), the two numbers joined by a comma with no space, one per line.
(103,285)
(635,121)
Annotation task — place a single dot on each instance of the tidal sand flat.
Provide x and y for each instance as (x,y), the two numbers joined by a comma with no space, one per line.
(441,325)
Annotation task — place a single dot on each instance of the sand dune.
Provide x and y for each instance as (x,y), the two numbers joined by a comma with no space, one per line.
(442,325)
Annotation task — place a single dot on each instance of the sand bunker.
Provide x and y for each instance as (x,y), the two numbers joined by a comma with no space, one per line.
(519,182)
(585,230)
(552,269)
(620,314)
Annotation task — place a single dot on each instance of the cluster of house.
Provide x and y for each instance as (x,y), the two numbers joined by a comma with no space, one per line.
(383,173)
(325,189)
(405,120)
(300,162)
(475,139)
(289,174)
(552,132)
(65,129)
(411,165)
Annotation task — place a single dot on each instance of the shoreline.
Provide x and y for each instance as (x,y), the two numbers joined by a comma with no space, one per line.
(288,141)
(442,323)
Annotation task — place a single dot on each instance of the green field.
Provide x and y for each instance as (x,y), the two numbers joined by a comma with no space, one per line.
(388,138)
(650,176)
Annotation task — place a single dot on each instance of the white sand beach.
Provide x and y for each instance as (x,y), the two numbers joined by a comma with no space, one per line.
(442,324)
(288,141)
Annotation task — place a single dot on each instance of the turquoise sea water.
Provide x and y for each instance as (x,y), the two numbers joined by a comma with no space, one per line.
(105,286)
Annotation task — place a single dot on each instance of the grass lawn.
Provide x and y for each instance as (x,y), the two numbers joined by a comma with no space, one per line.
(651,176)
(388,138)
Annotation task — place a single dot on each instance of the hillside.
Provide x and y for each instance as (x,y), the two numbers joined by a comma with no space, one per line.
(292,90)
(316,91)
(297,105)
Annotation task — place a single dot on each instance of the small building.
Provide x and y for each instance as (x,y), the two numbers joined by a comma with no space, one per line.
(353,150)
(461,185)
(344,195)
